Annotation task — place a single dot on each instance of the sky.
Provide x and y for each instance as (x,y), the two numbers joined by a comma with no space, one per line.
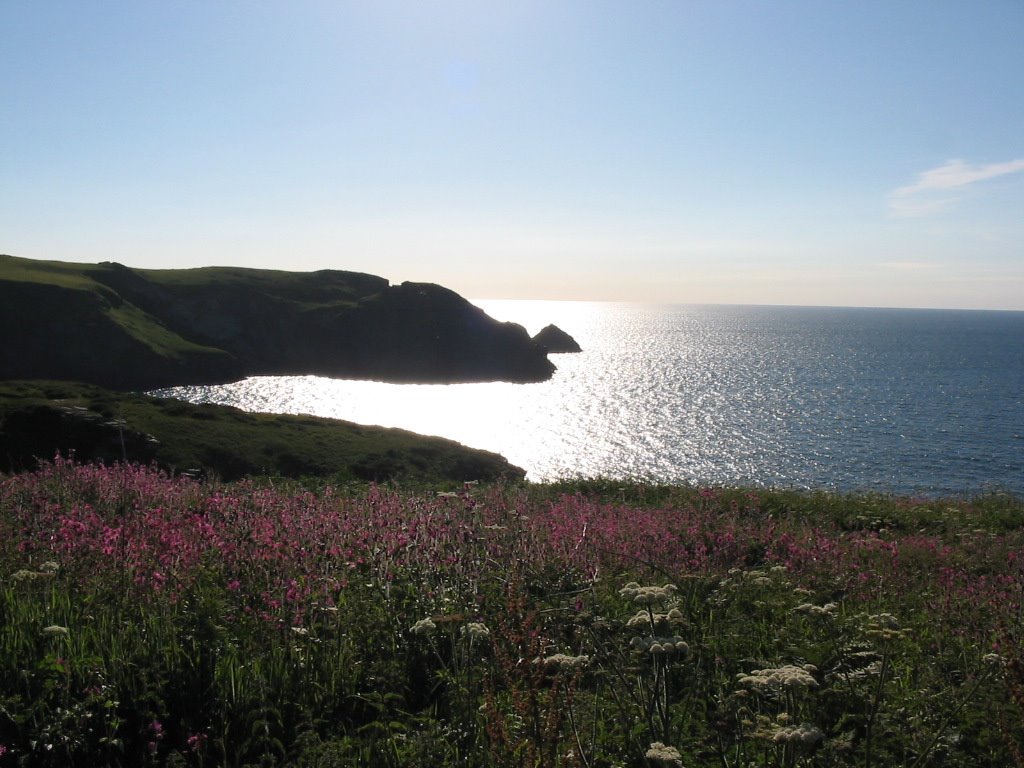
(815,152)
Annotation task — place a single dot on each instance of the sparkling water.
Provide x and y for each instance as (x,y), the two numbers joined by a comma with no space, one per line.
(907,401)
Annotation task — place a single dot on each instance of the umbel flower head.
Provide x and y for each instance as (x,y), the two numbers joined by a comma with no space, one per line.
(661,645)
(817,610)
(664,756)
(647,595)
(788,676)
(805,735)
(560,662)
(643,618)
(884,626)
(423,627)
(475,630)
(55,630)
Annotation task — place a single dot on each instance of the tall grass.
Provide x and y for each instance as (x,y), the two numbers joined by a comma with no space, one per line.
(151,620)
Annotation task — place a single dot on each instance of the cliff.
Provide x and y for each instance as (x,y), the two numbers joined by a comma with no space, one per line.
(131,329)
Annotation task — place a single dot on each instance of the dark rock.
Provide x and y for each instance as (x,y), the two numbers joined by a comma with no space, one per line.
(554,339)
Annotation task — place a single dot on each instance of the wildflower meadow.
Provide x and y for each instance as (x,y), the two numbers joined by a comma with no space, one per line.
(154,620)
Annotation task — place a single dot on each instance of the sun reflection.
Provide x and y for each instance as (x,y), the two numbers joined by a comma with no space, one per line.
(678,394)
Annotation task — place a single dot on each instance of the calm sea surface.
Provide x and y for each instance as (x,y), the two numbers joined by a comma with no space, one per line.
(909,401)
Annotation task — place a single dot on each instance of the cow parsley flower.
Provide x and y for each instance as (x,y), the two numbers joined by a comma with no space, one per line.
(884,626)
(55,630)
(664,756)
(804,735)
(661,645)
(476,631)
(816,610)
(788,676)
(647,595)
(423,627)
(564,663)
(643,618)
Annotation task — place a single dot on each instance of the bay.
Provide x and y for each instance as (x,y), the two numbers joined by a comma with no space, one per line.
(926,402)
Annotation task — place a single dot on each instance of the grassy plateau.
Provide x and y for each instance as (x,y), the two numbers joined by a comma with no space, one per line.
(151,619)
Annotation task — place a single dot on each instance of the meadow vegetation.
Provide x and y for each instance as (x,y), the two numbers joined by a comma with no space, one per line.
(149,619)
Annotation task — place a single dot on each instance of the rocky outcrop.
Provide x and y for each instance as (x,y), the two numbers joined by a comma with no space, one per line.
(127,328)
(554,339)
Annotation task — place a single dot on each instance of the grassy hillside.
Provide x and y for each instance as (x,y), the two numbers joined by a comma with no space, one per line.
(61,322)
(126,328)
(38,419)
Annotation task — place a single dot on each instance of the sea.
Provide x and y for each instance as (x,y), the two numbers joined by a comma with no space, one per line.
(905,401)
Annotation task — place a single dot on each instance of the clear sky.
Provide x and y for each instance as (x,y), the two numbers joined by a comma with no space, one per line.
(811,152)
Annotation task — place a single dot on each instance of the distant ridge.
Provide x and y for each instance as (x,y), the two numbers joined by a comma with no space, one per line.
(130,329)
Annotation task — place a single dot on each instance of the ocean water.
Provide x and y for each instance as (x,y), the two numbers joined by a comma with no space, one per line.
(908,401)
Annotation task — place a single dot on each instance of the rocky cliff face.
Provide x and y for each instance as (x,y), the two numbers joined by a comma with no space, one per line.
(137,329)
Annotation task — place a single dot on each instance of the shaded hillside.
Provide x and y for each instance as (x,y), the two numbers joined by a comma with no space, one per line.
(40,419)
(140,329)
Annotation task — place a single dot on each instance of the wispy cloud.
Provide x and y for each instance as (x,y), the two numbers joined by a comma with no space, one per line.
(931,192)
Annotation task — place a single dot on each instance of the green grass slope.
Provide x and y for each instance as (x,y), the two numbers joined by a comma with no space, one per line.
(61,322)
(38,419)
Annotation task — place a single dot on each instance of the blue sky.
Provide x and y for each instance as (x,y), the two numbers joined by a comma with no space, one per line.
(812,152)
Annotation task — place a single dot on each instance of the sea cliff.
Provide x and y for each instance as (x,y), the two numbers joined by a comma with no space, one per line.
(131,329)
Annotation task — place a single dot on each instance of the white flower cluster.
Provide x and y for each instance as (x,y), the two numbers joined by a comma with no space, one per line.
(757,577)
(644,619)
(994,659)
(660,645)
(664,756)
(24,575)
(884,626)
(788,676)
(423,627)
(804,734)
(816,610)
(55,630)
(647,595)
(564,663)
(476,631)
(738,578)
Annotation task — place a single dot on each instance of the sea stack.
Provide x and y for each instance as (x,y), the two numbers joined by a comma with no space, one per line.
(554,339)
